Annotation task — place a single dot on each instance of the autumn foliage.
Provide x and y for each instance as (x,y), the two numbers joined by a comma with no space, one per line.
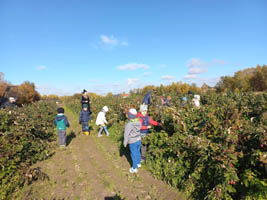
(24,93)
(26,136)
(250,79)
(217,151)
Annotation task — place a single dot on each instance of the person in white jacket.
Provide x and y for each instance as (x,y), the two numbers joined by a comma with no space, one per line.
(196,100)
(102,122)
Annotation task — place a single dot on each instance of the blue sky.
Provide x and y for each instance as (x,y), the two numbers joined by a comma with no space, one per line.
(113,46)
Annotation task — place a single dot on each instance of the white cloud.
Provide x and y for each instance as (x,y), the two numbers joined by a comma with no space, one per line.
(115,85)
(199,81)
(133,66)
(109,40)
(196,62)
(196,70)
(163,66)
(146,74)
(93,80)
(190,76)
(42,67)
(131,81)
(49,89)
(221,62)
(210,81)
(167,77)
(124,43)
(99,85)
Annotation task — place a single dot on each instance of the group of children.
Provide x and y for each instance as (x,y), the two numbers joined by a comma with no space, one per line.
(135,130)
(61,121)
(195,100)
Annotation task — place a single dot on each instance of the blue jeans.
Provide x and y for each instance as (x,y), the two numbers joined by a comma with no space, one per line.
(85,126)
(101,129)
(135,153)
(61,137)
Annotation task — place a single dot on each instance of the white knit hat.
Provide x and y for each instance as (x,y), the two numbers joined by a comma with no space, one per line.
(12,99)
(105,108)
(143,107)
(132,113)
(196,96)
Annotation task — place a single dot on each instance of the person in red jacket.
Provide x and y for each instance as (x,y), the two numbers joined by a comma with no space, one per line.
(146,122)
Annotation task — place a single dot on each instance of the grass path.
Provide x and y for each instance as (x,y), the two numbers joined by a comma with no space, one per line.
(92,168)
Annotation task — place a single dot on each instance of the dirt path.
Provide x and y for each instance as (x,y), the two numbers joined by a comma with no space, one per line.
(92,168)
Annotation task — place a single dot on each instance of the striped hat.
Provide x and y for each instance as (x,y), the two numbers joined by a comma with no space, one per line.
(132,113)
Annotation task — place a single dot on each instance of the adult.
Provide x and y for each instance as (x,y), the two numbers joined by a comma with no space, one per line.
(147,99)
(11,103)
(165,101)
(85,100)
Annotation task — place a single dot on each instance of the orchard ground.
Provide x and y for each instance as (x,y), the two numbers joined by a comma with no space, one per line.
(92,168)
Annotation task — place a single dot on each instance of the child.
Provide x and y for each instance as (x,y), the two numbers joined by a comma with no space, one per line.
(101,121)
(61,122)
(196,100)
(133,138)
(146,122)
(84,119)
(184,100)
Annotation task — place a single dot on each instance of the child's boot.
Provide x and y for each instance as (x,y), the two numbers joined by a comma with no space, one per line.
(106,130)
(132,170)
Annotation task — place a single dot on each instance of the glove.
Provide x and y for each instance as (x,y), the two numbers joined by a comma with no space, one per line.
(125,144)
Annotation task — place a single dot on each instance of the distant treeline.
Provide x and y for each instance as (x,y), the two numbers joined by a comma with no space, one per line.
(247,80)
(250,79)
(23,93)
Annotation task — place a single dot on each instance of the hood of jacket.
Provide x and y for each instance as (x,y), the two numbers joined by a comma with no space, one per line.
(132,132)
(60,117)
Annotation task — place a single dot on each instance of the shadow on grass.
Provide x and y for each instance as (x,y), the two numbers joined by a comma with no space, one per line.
(116,197)
(70,137)
(91,128)
(125,152)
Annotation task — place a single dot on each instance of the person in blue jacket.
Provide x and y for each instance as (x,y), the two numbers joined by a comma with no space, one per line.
(84,119)
(61,122)
(184,101)
(147,99)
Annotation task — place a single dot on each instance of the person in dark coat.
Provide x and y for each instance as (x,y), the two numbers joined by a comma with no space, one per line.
(84,119)
(11,103)
(147,99)
(85,100)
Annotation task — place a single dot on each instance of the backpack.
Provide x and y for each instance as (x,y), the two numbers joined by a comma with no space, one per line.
(61,124)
